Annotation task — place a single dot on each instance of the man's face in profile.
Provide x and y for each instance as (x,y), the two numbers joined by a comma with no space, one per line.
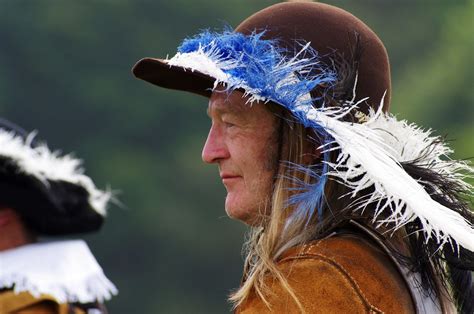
(243,142)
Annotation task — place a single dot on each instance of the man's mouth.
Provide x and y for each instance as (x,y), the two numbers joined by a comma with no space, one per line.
(229,178)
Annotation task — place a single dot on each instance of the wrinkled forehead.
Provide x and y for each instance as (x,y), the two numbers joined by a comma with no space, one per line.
(241,108)
(224,101)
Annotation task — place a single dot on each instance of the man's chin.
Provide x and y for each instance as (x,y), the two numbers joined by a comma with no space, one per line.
(237,214)
(248,217)
(236,211)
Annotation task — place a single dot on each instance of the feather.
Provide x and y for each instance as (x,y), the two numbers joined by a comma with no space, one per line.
(46,165)
(367,159)
(371,152)
(256,65)
(309,196)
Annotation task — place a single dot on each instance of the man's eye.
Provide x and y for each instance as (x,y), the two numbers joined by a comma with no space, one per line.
(229,124)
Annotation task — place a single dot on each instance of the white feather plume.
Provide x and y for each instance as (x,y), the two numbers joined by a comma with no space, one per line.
(370,156)
(45,165)
(205,62)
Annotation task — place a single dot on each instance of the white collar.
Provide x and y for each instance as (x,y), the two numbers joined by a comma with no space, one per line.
(67,270)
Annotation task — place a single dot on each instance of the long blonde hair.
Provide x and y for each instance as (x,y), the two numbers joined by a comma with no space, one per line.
(276,233)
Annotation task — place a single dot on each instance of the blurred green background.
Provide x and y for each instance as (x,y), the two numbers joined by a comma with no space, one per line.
(65,71)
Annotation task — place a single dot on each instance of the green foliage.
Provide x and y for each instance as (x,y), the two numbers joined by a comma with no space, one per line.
(170,247)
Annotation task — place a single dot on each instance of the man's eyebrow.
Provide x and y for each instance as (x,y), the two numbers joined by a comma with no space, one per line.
(225,109)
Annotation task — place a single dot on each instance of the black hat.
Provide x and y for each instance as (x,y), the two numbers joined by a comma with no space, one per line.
(50,192)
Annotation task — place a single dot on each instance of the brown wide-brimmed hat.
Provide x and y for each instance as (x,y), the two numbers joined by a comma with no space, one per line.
(331,31)
(322,63)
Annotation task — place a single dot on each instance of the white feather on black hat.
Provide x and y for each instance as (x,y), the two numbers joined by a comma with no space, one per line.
(50,191)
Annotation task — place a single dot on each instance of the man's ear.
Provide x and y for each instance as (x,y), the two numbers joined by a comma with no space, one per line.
(7,215)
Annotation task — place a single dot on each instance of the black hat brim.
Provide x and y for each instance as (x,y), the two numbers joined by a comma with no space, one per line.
(160,73)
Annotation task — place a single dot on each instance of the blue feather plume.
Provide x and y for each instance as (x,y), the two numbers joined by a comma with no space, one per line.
(270,73)
(309,197)
(264,69)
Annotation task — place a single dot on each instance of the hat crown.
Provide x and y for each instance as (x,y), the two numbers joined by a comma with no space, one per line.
(330,30)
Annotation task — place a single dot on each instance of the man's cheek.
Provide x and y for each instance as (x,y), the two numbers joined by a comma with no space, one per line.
(271,157)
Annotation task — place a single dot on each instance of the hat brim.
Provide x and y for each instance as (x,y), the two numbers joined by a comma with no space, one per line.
(160,73)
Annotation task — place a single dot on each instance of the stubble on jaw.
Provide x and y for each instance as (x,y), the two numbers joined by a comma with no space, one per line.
(271,163)
(274,142)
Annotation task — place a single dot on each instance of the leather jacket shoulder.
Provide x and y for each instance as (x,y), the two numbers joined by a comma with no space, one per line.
(344,273)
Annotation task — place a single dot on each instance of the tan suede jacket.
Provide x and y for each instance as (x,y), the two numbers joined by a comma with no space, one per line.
(344,273)
(25,303)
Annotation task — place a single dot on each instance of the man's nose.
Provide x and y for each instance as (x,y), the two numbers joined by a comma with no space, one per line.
(215,148)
